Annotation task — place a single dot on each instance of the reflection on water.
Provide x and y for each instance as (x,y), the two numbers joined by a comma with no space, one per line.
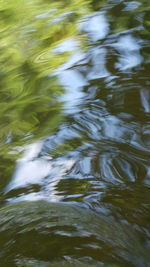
(129,50)
(96,27)
(42,171)
(74,130)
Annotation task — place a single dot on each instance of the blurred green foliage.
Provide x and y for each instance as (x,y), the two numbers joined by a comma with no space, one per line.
(29,32)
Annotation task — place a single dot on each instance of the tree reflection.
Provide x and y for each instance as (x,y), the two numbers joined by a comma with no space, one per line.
(30,94)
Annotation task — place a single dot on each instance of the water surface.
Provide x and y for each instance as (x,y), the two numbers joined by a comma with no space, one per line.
(74,138)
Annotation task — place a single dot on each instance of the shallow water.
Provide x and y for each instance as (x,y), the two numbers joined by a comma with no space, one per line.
(74,139)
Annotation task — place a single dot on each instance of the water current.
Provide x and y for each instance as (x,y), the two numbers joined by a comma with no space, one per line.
(74,133)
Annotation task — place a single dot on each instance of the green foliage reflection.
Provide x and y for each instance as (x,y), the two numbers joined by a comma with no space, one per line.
(30,30)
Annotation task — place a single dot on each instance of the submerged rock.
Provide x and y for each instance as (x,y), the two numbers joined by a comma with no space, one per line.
(61,234)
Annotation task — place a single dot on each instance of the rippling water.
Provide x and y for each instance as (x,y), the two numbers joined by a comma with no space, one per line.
(74,139)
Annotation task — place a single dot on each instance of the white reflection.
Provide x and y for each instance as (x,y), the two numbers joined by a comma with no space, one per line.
(145,96)
(29,197)
(31,151)
(76,58)
(44,171)
(129,50)
(73,81)
(29,169)
(98,64)
(66,46)
(114,128)
(147,179)
(96,27)
(111,127)
(60,17)
(131,5)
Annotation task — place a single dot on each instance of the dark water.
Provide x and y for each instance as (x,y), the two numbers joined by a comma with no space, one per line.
(74,133)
